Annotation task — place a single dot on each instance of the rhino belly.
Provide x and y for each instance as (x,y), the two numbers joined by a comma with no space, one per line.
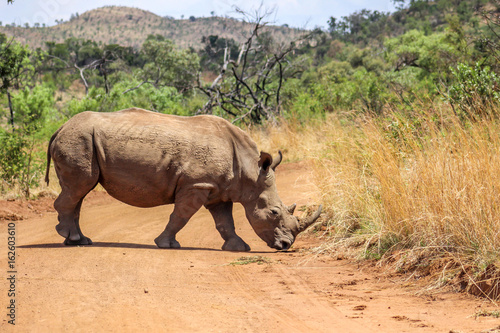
(141,183)
(139,190)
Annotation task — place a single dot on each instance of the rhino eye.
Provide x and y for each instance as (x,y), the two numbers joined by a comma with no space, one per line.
(274,211)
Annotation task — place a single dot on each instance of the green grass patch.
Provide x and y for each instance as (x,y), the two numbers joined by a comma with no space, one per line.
(259,260)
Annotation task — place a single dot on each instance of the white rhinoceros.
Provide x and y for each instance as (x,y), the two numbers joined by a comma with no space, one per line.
(148,159)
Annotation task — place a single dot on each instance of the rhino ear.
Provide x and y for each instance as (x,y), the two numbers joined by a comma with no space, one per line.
(265,161)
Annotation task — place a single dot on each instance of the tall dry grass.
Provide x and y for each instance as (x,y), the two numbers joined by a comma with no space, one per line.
(439,187)
(417,191)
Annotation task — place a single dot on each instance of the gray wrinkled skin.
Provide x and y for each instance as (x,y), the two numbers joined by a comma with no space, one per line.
(147,159)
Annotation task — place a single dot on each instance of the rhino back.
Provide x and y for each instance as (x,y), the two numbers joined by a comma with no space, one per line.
(145,157)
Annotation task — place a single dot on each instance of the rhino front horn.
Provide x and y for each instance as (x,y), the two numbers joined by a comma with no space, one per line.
(306,222)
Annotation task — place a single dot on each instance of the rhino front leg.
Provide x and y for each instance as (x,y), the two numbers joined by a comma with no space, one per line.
(223,216)
(187,203)
(166,240)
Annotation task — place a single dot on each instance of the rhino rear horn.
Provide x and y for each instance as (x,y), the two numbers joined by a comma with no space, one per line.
(277,160)
(291,208)
(306,222)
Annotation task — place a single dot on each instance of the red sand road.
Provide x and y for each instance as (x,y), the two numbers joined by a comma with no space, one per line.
(123,283)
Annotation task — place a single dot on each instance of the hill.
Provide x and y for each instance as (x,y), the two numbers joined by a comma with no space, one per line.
(130,26)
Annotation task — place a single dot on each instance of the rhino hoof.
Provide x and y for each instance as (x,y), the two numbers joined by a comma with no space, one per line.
(82,241)
(167,244)
(236,245)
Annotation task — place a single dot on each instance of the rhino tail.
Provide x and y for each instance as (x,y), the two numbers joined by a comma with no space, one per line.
(49,157)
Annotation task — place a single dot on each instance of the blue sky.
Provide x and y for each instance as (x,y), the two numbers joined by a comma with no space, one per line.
(296,13)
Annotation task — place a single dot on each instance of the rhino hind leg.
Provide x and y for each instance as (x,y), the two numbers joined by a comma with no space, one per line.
(223,217)
(187,203)
(69,222)
(75,183)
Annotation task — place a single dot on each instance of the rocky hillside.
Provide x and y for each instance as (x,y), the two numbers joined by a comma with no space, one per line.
(130,27)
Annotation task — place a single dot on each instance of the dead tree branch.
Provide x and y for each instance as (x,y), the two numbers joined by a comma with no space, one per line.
(248,87)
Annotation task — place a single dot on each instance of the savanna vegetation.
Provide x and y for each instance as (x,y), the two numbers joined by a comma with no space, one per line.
(398,114)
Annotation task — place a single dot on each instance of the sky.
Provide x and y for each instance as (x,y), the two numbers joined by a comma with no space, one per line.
(296,13)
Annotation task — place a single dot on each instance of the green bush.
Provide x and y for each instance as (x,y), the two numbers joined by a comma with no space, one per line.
(164,99)
(18,164)
(31,107)
(305,106)
(91,102)
(475,90)
(11,155)
(21,162)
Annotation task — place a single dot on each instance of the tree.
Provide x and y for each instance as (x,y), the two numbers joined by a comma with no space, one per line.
(361,26)
(489,43)
(213,51)
(431,54)
(84,55)
(16,146)
(14,64)
(249,85)
(167,66)
(19,162)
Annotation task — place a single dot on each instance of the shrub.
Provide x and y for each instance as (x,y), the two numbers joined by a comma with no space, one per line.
(475,90)
(31,107)
(164,99)
(18,164)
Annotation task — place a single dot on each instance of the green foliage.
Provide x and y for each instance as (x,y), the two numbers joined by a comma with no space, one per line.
(339,86)
(168,100)
(369,90)
(19,159)
(306,105)
(475,89)
(14,63)
(12,155)
(168,66)
(32,106)
(213,55)
(91,102)
(163,99)
(18,163)
(431,54)
(360,26)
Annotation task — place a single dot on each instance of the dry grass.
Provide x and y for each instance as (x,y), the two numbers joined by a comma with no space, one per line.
(421,194)
(296,142)
(439,188)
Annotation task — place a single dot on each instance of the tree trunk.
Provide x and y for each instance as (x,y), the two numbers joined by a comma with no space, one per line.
(11,110)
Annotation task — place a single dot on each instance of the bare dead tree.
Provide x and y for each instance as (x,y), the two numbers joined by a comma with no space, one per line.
(99,64)
(249,87)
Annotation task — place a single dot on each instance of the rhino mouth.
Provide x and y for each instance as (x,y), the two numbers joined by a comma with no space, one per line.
(282,245)
(283,240)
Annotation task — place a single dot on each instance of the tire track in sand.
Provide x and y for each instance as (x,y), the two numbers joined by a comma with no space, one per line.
(288,302)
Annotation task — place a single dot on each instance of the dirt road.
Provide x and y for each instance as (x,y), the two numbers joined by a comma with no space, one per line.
(123,283)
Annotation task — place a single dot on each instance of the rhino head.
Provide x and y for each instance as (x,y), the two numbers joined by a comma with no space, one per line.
(274,222)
